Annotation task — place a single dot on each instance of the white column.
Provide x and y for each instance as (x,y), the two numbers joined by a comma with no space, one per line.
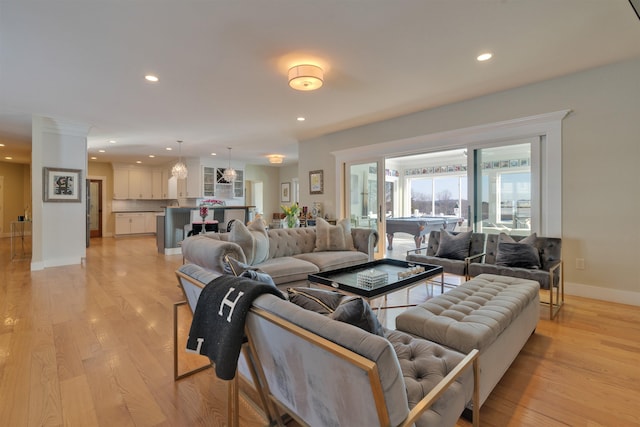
(59,228)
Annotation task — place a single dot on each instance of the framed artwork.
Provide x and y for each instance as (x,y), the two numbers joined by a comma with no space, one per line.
(61,185)
(316,182)
(285,192)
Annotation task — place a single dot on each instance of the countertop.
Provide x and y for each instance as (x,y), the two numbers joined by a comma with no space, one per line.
(139,211)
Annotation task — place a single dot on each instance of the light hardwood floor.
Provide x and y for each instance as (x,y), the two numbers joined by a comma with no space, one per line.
(92,345)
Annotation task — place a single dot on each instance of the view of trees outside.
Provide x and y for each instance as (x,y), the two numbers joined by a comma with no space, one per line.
(440,196)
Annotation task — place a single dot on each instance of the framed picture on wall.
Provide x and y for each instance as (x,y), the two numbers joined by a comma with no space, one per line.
(285,192)
(316,182)
(61,185)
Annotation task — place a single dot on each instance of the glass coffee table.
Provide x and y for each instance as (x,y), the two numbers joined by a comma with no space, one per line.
(369,281)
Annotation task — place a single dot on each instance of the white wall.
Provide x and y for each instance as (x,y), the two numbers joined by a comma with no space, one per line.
(59,228)
(269,176)
(600,178)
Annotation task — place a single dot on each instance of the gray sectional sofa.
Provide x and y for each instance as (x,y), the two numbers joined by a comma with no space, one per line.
(288,255)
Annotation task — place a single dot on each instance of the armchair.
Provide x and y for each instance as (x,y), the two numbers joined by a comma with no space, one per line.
(549,275)
(458,267)
(326,372)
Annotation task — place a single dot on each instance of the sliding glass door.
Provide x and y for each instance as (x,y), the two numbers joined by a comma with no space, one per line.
(520,197)
(364,197)
(506,188)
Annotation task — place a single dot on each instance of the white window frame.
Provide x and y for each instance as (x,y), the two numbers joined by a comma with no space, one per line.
(547,126)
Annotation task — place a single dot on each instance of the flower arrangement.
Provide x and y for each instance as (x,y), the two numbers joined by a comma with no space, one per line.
(213,202)
(291,213)
(204,211)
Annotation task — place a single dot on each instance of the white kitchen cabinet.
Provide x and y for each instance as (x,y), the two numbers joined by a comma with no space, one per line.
(138,223)
(166,174)
(182,188)
(140,183)
(123,224)
(150,222)
(131,223)
(120,183)
(157,192)
(229,190)
(205,180)
(208,181)
(194,179)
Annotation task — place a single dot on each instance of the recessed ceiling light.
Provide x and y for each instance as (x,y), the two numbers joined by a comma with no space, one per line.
(8,158)
(151,78)
(301,119)
(213,154)
(485,56)
(112,141)
(101,151)
(1,145)
(138,161)
(168,148)
(151,156)
(94,158)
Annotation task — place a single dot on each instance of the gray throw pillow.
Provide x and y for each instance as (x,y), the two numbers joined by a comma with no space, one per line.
(348,309)
(240,269)
(233,266)
(253,240)
(357,312)
(333,237)
(454,246)
(318,300)
(529,240)
(519,255)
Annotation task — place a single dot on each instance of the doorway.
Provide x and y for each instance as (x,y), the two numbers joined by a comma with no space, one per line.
(95,208)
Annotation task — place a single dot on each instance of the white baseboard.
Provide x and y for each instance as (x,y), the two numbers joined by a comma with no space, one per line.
(173,251)
(37,266)
(59,262)
(604,294)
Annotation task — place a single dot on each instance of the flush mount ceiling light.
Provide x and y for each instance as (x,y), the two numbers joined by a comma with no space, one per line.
(229,173)
(306,77)
(179,170)
(275,159)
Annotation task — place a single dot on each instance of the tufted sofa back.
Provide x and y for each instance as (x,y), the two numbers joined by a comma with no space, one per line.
(549,248)
(291,241)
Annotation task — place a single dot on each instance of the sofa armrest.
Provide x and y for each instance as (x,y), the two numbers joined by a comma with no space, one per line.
(470,360)
(365,240)
(470,259)
(209,253)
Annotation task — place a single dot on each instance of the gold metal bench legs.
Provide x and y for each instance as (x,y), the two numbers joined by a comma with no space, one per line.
(555,304)
(176,375)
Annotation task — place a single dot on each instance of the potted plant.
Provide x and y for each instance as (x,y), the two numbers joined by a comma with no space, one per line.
(291,214)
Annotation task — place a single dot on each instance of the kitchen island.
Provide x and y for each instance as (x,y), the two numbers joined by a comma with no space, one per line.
(171,226)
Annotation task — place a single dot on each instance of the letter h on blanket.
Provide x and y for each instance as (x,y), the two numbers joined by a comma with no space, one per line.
(219,320)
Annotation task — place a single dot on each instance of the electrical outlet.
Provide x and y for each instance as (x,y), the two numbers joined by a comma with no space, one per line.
(579,263)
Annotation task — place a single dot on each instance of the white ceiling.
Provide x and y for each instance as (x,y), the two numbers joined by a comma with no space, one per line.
(223,64)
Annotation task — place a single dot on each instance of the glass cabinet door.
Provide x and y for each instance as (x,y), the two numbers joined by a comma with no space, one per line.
(208,181)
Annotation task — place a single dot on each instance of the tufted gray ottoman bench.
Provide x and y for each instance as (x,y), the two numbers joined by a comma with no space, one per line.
(494,314)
